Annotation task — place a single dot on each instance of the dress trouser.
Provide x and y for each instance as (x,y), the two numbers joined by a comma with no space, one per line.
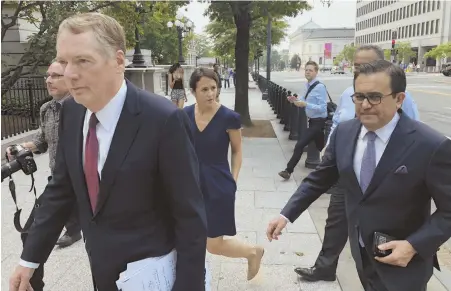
(335,232)
(314,132)
(368,276)
(73,223)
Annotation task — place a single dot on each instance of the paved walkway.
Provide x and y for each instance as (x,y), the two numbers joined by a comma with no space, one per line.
(260,196)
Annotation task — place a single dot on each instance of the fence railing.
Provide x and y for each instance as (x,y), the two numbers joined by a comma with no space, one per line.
(293,118)
(21,104)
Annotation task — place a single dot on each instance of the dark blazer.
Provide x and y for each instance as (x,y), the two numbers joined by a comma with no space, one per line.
(149,199)
(397,204)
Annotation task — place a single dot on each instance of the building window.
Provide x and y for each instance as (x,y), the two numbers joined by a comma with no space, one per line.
(422,28)
(427,27)
(418,29)
(433,5)
(436,25)
(438,4)
(424,6)
(432,27)
(416,8)
(414,32)
(429,6)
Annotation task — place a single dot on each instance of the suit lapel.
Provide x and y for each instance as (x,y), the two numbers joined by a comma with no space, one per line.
(397,148)
(354,133)
(124,135)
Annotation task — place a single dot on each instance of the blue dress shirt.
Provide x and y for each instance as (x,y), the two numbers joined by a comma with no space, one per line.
(346,109)
(316,101)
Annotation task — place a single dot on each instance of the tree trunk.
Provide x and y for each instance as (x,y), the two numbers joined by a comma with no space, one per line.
(243,22)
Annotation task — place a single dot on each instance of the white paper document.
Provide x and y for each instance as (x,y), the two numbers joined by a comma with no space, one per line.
(152,274)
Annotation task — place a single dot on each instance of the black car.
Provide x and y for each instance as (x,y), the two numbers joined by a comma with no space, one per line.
(446,69)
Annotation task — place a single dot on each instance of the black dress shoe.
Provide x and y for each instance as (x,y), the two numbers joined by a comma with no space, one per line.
(313,274)
(68,240)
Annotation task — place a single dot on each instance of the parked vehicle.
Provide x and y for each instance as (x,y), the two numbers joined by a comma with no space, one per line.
(446,69)
(337,70)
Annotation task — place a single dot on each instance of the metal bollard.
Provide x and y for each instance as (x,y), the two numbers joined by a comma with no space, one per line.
(313,156)
(279,102)
(294,121)
(286,112)
(283,105)
(303,124)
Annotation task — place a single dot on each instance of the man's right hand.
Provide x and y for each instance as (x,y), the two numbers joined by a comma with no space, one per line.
(20,279)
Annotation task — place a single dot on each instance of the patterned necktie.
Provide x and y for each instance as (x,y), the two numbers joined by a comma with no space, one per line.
(368,161)
(91,161)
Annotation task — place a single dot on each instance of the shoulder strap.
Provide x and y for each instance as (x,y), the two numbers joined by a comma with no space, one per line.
(316,83)
(311,88)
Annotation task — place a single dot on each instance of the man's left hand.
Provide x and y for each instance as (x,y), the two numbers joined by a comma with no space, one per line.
(402,253)
(300,103)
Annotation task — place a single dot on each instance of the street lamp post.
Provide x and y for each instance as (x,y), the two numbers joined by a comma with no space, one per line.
(268,55)
(181,29)
(138,58)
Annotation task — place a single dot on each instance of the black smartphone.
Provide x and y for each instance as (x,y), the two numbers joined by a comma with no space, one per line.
(378,239)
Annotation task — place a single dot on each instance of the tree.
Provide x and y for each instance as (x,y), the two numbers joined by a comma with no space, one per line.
(244,15)
(441,51)
(204,46)
(404,52)
(295,62)
(347,54)
(46,17)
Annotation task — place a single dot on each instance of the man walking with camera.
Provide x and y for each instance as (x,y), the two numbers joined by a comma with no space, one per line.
(46,139)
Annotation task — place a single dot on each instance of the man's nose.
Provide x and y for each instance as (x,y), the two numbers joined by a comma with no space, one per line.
(366,104)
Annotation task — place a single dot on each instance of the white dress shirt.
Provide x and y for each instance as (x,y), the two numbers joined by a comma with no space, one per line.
(382,137)
(108,117)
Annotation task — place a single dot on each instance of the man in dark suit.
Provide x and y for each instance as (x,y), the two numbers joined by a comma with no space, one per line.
(126,157)
(391,171)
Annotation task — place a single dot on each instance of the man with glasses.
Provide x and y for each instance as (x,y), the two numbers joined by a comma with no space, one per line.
(391,167)
(47,139)
(336,232)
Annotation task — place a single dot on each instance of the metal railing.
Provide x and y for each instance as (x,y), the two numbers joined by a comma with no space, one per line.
(21,104)
(293,118)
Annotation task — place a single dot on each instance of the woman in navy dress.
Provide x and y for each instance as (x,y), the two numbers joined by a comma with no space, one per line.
(215,127)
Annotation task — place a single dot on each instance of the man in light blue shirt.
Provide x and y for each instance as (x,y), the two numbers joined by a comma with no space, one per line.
(315,103)
(336,230)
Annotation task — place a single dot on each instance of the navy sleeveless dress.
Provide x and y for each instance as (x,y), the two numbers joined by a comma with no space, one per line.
(217,183)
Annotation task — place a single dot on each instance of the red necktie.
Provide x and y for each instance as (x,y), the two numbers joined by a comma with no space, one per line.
(91,158)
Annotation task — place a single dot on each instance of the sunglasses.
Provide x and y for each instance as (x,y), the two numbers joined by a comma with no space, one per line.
(374,98)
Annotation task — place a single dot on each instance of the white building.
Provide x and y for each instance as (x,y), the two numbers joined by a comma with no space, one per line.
(425,24)
(309,42)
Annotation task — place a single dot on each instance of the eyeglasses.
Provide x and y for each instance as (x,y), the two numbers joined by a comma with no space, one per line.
(374,98)
(54,76)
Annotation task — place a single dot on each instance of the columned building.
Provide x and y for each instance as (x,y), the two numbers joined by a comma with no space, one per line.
(425,24)
(322,45)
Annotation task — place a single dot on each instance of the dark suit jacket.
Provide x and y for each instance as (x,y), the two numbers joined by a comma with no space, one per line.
(149,200)
(396,204)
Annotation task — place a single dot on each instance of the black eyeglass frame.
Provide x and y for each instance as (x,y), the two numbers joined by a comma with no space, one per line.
(365,96)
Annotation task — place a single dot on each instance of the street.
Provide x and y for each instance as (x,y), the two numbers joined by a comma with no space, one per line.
(431,92)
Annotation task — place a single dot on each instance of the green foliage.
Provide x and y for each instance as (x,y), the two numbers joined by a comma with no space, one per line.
(405,51)
(440,52)
(347,54)
(249,19)
(204,46)
(387,54)
(46,17)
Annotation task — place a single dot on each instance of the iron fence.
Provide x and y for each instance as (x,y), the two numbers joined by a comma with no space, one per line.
(21,104)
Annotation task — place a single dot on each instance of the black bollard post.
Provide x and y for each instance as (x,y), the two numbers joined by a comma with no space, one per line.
(303,123)
(313,156)
(294,121)
(279,102)
(286,112)
(282,106)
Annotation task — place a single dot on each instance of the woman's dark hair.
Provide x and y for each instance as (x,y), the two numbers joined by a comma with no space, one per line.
(199,73)
(174,67)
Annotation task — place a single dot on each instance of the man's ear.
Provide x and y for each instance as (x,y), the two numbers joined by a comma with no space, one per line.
(400,99)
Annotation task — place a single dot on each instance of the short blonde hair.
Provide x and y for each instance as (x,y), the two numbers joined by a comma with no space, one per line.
(106,29)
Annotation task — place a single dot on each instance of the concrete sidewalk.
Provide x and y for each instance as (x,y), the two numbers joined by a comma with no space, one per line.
(260,196)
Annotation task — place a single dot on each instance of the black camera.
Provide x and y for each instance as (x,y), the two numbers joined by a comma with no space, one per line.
(22,159)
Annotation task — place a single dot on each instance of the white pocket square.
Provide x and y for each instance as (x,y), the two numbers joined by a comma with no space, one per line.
(401,170)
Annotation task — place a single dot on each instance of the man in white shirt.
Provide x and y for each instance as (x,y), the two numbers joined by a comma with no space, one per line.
(137,197)
(391,166)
